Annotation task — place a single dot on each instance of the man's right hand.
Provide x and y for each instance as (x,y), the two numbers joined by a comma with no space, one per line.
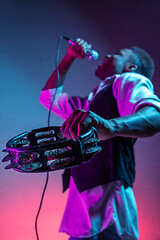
(79,49)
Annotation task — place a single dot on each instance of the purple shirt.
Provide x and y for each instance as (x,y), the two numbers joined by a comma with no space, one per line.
(93,210)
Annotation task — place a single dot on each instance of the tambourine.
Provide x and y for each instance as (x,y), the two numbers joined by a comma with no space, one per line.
(46,149)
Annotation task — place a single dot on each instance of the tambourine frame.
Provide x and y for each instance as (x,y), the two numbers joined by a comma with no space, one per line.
(33,152)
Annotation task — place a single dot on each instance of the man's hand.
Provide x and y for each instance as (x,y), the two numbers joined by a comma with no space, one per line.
(79,49)
(143,123)
(79,122)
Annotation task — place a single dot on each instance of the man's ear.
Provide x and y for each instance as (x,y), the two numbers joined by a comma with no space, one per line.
(130,67)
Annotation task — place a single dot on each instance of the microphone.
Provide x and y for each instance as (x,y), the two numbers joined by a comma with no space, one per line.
(92,55)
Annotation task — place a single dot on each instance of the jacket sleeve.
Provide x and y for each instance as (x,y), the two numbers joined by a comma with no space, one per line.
(132,92)
(63,104)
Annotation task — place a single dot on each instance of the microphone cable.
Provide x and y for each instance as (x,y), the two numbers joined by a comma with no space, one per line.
(49,115)
(40,205)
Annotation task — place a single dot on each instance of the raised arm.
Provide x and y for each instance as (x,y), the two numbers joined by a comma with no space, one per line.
(74,51)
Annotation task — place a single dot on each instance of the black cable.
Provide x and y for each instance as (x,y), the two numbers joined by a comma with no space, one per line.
(58,78)
(49,114)
(42,197)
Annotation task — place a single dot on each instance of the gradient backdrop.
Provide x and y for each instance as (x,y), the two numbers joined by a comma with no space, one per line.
(29,30)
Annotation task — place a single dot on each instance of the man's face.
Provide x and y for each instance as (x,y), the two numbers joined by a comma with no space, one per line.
(114,64)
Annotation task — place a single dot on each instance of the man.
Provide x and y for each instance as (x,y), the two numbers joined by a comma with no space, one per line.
(101,203)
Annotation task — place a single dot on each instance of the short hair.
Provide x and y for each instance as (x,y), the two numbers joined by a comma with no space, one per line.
(145,62)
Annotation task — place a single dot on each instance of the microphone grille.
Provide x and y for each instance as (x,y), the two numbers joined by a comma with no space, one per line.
(92,55)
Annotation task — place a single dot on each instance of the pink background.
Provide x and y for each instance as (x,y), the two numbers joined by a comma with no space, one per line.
(29,31)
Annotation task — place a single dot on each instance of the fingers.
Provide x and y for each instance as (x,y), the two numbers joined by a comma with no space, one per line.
(81,47)
(79,122)
(83,44)
(76,124)
(85,123)
(70,126)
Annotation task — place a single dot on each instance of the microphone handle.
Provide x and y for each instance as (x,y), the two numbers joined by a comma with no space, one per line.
(90,54)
